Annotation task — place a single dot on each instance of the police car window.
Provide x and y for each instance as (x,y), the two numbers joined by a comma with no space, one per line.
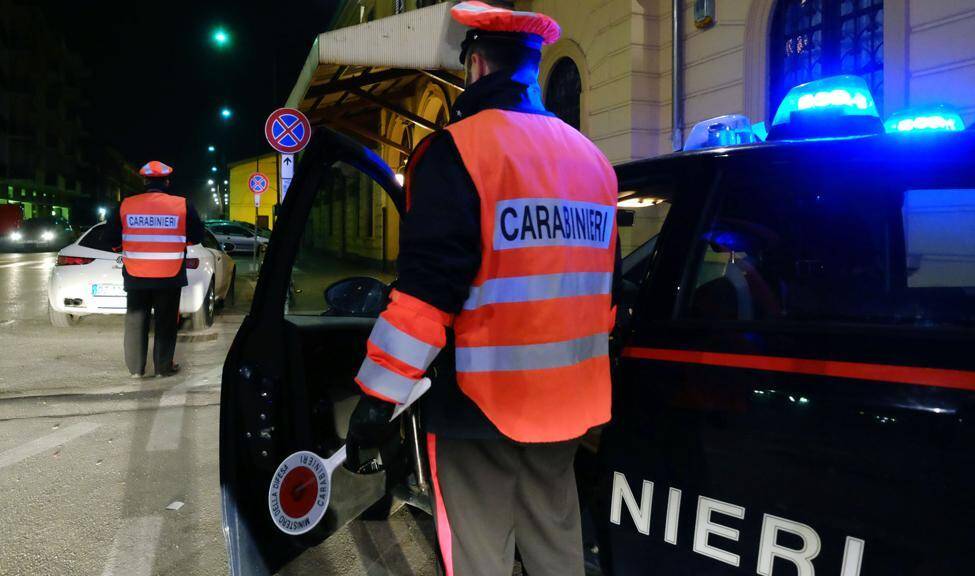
(841,246)
(94,240)
(337,244)
(641,216)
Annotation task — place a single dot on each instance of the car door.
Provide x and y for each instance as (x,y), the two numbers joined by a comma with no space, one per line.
(220,268)
(241,237)
(288,380)
(221,234)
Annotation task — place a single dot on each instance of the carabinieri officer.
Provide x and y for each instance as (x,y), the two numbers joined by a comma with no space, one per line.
(507,252)
(154,228)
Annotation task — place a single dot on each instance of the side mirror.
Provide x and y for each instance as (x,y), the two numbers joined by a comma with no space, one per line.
(228,247)
(356,296)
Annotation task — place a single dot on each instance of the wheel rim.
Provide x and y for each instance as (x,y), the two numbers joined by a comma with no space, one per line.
(211,303)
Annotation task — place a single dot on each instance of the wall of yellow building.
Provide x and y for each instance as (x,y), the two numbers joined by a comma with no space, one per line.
(242,199)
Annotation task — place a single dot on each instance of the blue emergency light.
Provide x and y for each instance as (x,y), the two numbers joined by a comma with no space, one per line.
(923,120)
(721,132)
(831,107)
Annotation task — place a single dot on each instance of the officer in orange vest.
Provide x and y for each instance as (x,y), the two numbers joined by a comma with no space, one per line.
(154,228)
(507,257)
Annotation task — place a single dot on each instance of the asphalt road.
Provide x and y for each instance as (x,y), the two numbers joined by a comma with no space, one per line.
(90,459)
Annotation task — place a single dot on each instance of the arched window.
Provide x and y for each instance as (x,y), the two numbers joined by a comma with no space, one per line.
(563,95)
(811,39)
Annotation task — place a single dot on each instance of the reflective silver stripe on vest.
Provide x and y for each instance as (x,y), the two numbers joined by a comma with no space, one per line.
(153,255)
(531,356)
(402,346)
(542,287)
(173,238)
(385,382)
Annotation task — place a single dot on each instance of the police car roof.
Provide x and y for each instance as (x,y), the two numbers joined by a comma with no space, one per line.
(948,146)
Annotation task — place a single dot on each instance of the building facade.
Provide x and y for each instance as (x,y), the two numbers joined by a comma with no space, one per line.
(611,75)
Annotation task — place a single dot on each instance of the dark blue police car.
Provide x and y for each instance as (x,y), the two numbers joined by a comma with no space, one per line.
(795,370)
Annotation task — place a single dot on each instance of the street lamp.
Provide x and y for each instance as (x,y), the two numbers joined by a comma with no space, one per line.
(213,168)
(225,182)
(226,113)
(211,148)
(220,37)
(213,189)
(210,182)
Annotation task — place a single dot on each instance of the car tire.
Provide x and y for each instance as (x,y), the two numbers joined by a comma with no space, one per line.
(231,296)
(62,319)
(203,318)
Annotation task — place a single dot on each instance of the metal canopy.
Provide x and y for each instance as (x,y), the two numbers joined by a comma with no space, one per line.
(352,73)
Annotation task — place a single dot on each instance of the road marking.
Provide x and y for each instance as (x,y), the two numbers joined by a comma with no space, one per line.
(44,443)
(19,264)
(134,549)
(167,425)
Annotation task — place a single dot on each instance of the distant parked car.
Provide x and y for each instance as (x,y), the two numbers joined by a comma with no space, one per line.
(41,233)
(87,279)
(238,234)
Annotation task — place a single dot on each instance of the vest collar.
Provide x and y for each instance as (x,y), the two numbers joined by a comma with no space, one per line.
(511,90)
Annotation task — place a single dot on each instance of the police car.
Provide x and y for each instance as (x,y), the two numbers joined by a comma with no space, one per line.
(794,378)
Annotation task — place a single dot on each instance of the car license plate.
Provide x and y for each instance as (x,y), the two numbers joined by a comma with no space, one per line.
(108,290)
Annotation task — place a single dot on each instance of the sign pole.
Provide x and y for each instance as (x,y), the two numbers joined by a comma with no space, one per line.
(258,184)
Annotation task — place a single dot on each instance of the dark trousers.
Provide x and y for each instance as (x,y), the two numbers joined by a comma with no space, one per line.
(163,305)
(493,495)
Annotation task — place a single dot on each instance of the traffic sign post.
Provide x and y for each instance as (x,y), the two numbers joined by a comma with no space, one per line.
(287,130)
(287,172)
(258,184)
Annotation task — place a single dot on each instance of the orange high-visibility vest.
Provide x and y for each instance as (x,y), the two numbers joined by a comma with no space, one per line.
(533,337)
(153,235)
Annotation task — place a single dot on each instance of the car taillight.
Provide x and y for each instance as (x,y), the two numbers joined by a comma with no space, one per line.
(73,260)
(192,263)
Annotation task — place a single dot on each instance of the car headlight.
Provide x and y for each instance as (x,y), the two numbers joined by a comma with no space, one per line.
(47,236)
(16,236)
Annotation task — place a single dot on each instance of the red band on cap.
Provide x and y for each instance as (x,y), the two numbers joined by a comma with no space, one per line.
(490,18)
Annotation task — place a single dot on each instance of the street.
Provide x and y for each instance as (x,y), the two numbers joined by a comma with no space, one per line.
(102,474)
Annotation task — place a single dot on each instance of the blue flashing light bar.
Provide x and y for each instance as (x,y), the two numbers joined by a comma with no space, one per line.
(834,96)
(721,132)
(923,120)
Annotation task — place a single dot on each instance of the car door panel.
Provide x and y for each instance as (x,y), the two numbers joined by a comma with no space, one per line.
(289,385)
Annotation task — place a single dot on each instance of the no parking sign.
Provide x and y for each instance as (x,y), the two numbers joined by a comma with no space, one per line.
(287,130)
(258,184)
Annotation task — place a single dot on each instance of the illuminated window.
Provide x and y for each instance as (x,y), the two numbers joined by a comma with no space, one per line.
(563,94)
(811,39)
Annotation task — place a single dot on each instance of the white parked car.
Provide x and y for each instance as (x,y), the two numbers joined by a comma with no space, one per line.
(87,279)
(239,235)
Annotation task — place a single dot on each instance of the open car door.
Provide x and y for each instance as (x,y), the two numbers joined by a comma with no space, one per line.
(288,381)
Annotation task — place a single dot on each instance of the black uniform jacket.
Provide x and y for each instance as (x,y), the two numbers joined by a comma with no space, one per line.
(440,241)
(195,234)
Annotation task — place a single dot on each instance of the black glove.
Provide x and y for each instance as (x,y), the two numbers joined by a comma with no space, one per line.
(369,428)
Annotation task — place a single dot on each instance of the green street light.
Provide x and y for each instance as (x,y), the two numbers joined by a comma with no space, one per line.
(211,148)
(213,168)
(226,113)
(220,37)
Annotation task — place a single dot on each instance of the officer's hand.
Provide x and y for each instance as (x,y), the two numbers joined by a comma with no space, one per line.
(369,428)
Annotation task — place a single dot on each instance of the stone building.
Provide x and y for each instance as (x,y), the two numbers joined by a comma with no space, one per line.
(384,74)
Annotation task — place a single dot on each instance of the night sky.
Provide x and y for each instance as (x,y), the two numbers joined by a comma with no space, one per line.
(157,82)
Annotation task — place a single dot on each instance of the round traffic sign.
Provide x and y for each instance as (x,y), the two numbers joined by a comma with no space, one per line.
(287,130)
(258,183)
(299,493)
